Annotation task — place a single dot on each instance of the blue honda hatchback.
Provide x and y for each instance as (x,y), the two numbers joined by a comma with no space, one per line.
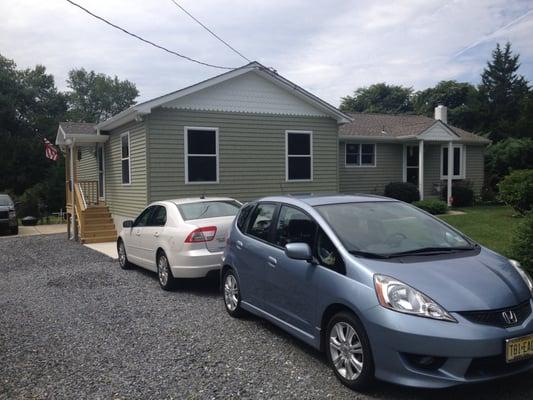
(386,290)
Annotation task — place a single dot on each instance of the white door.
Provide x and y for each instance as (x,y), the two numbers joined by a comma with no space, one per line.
(100,158)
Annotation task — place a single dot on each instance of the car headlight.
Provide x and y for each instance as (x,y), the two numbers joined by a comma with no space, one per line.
(525,276)
(12,214)
(398,296)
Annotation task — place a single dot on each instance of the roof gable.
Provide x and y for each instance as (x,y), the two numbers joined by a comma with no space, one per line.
(438,132)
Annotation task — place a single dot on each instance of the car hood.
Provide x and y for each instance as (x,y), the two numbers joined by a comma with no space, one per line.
(485,281)
(6,208)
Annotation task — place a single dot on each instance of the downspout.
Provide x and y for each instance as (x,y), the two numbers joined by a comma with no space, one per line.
(72,190)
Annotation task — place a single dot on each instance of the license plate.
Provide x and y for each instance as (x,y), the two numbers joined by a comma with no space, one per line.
(517,349)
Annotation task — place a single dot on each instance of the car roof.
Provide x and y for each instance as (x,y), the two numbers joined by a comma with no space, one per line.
(323,199)
(199,199)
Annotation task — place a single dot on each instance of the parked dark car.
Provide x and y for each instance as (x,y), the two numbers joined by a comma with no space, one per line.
(385,289)
(8,215)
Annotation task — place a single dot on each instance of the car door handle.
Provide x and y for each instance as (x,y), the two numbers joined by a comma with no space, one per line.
(138,233)
(272,262)
(239,244)
(156,234)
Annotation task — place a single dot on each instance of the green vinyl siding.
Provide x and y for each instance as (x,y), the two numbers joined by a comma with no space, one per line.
(251,154)
(432,160)
(87,166)
(371,179)
(126,200)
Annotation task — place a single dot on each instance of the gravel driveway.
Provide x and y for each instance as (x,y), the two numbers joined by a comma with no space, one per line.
(73,325)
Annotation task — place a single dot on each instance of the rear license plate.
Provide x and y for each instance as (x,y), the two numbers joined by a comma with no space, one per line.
(517,349)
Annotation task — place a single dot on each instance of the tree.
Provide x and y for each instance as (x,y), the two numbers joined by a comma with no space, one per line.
(461,98)
(502,93)
(95,97)
(379,98)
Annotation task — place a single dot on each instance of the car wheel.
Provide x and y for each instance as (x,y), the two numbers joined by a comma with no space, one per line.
(122,257)
(348,351)
(232,294)
(166,280)
(14,230)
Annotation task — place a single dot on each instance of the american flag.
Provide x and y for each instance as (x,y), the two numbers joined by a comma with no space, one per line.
(50,151)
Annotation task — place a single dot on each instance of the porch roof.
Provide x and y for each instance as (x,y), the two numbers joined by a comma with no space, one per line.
(81,133)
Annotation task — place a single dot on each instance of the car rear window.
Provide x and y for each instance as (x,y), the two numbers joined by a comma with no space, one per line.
(5,200)
(208,209)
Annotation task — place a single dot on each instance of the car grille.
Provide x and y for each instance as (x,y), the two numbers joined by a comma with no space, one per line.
(495,317)
(4,214)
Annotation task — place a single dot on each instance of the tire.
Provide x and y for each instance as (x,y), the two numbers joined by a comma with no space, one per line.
(122,257)
(14,230)
(348,351)
(164,274)
(231,294)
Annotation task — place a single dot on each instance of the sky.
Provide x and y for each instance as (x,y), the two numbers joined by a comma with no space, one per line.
(329,47)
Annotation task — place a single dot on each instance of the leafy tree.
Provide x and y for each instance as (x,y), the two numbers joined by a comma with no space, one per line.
(502,93)
(379,98)
(461,98)
(95,97)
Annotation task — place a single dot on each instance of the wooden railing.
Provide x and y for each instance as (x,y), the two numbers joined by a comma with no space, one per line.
(89,190)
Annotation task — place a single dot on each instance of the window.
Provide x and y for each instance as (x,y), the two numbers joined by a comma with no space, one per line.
(159,216)
(412,164)
(201,155)
(328,255)
(243,215)
(360,154)
(294,226)
(458,161)
(142,219)
(208,209)
(125,157)
(262,220)
(299,146)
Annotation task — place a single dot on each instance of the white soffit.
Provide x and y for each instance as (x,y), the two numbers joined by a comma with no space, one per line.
(249,93)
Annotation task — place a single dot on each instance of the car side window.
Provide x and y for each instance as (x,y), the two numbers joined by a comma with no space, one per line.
(262,221)
(243,216)
(159,216)
(142,219)
(328,255)
(294,226)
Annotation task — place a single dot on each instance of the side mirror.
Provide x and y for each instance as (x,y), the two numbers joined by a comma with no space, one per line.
(299,251)
(127,224)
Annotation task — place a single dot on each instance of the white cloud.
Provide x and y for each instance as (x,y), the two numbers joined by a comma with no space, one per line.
(328,47)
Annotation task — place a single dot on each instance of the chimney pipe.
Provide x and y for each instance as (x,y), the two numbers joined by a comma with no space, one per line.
(441,113)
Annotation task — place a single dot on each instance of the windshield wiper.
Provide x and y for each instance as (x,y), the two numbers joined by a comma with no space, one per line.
(366,254)
(430,251)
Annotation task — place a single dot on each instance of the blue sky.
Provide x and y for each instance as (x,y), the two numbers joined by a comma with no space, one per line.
(329,47)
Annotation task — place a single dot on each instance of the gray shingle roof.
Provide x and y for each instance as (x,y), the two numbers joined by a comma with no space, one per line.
(78,128)
(395,126)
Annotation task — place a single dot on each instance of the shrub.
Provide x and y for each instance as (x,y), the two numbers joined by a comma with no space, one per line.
(507,155)
(521,245)
(516,190)
(404,191)
(432,206)
(462,193)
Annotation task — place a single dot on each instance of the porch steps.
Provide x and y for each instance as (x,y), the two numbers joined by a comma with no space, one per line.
(98,225)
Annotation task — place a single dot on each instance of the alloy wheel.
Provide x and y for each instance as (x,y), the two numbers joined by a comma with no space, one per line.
(163,269)
(231,292)
(346,351)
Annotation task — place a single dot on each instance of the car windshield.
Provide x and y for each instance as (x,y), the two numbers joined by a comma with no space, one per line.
(208,209)
(5,201)
(389,228)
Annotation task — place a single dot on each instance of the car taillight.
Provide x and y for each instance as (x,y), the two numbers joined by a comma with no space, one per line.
(204,234)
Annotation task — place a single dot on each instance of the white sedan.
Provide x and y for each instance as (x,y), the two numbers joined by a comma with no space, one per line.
(183,238)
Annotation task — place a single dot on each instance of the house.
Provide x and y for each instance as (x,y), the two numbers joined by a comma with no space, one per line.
(245,134)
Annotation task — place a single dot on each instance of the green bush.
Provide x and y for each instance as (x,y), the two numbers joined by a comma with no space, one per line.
(404,191)
(522,243)
(507,155)
(462,194)
(516,190)
(432,206)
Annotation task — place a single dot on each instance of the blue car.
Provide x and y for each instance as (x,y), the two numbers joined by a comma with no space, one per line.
(386,290)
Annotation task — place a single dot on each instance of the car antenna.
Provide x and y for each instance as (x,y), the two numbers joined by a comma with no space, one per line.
(202,197)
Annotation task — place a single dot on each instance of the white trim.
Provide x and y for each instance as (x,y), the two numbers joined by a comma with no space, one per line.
(310,133)
(125,158)
(404,163)
(361,165)
(421,169)
(462,161)
(186,153)
(101,146)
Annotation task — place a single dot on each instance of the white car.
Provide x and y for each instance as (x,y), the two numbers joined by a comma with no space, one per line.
(182,238)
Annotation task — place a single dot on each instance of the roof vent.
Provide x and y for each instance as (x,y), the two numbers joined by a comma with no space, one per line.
(441,113)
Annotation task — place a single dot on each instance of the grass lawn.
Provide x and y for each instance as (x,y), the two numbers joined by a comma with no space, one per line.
(492,226)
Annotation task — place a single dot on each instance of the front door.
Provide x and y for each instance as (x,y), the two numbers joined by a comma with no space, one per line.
(411,164)
(101,171)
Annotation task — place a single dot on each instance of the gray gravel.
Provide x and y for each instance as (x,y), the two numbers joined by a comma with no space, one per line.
(73,325)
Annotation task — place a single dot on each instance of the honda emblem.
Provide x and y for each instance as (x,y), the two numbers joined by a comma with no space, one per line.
(509,317)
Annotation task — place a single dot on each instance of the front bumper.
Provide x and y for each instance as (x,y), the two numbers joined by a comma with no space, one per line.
(8,223)
(465,352)
(194,263)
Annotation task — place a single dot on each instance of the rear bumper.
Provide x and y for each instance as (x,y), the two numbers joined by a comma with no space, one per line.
(195,263)
(465,352)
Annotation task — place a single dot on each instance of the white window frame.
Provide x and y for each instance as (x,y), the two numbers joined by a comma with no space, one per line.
(125,158)
(360,164)
(310,134)
(186,153)
(462,162)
